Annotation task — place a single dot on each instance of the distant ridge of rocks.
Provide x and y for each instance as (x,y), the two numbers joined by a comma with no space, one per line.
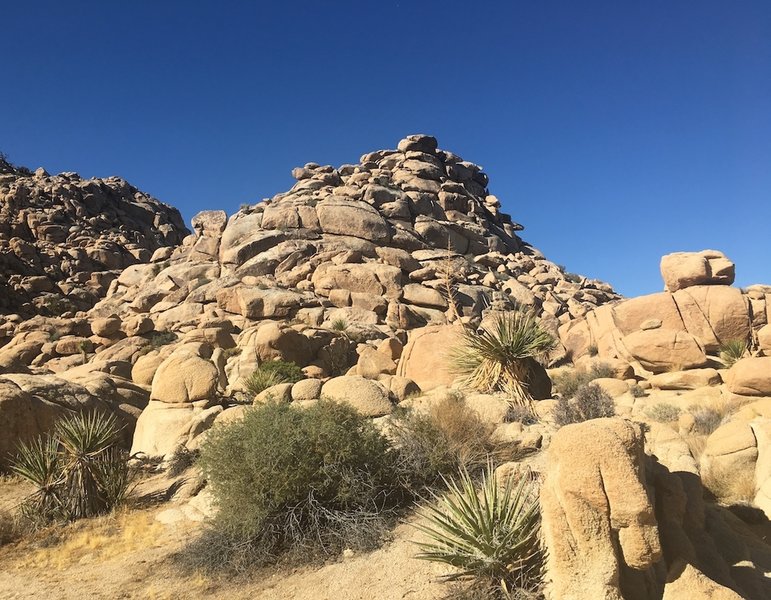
(63,239)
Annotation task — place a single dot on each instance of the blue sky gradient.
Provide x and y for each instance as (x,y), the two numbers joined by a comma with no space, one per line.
(614,131)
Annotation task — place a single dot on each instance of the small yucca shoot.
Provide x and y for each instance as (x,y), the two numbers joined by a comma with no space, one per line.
(491,534)
(732,351)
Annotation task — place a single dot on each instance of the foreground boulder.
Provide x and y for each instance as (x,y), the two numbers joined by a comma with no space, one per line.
(619,524)
(597,517)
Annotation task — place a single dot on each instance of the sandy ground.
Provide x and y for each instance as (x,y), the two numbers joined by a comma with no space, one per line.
(127,555)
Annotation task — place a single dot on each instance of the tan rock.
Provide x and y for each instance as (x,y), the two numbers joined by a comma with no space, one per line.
(184,377)
(414,293)
(162,427)
(372,364)
(106,327)
(685,380)
(660,350)
(145,367)
(425,357)
(343,216)
(764,339)
(597,515)
(750,377)
(630,315)
(692,583)
(714,314)
(281,392)
(368,397)
(307,389)
(685,269)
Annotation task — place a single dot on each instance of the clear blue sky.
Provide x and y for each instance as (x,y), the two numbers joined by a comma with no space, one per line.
(614,131)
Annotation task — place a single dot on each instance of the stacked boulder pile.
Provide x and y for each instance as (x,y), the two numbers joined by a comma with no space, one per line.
(336,275)
(680,328)
(64,239)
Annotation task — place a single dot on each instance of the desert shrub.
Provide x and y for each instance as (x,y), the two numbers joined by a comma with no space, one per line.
(286,371)
(181,460)
(705,419)
(663,412)
(636,390)
(589,402)
(79,471)
(162,338)
(498,358)
(490,534)
(732,351)
(300,482)
(520,414)
(436,443)
(272,373)
(9,527)
(569,381)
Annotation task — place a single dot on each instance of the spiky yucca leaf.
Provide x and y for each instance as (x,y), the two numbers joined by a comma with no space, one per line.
(85,440)
(490,534)
(732,351)
(89,434)
(38,462)
(496,358)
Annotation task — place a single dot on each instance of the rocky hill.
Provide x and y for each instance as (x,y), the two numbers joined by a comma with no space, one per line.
(372,244)
(64,239)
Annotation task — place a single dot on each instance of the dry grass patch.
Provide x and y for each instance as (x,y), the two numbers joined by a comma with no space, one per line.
(730,485)
(98,539)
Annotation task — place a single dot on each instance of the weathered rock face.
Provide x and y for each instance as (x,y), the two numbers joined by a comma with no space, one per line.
(350,259)
(680,328)
(63,239)
(620,524)
(685,269)
(597,516)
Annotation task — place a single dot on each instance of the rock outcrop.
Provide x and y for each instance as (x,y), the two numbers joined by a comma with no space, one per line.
(63,239)
(678,329)
(338,275)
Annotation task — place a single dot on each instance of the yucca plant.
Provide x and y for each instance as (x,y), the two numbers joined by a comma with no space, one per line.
(490,534)
(38,463)
(339,325)
(78,471)
(85,441)
(732,351)
(498,357)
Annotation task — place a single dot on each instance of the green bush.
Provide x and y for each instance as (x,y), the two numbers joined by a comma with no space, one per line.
(569,381)
(162,338)
(663,412)
(287,372)
(308,482)
(272,373)
(589,402)
(436,443)
(78,472)
(498,357)
(490,535)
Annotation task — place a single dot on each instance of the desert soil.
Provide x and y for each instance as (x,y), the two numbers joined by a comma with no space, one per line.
(127,555)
